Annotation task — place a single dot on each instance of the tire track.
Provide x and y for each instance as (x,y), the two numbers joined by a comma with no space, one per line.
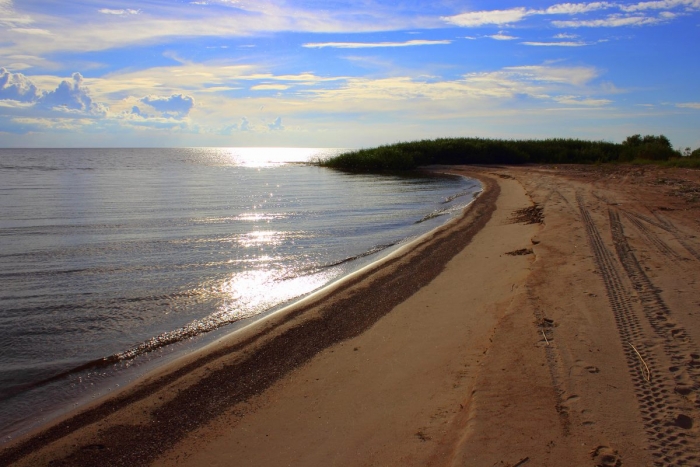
(678,344)
(652,238)
(677,234)
(670,443)
(651,221)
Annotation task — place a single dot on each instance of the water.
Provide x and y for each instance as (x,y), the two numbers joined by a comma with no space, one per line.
(113,261)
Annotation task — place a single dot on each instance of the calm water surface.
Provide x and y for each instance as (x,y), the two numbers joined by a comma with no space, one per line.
(113,261)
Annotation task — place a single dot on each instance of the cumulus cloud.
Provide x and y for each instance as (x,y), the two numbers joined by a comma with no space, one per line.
(366,45)
(177,105)
(17,87)
(276,125)
(71,95)
(244,125)
(70,98)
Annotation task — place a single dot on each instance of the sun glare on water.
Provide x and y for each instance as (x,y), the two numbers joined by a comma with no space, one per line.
(266,157)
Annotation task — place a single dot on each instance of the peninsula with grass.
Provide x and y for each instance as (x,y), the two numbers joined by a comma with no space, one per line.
(450,151)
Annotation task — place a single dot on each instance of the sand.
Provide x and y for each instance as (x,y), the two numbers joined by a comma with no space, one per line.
(557,323)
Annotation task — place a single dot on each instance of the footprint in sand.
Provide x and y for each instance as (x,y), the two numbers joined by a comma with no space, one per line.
(605,456)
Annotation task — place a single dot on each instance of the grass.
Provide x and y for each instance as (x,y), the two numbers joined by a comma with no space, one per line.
(407,156)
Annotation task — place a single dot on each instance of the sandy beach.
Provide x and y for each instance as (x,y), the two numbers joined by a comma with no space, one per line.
(556,323)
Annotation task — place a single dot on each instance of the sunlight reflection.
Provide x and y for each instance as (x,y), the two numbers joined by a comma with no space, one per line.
(249,293)
(267,157)
(262,237)
(260,157)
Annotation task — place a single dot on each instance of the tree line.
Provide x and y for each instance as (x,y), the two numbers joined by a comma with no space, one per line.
(450,151)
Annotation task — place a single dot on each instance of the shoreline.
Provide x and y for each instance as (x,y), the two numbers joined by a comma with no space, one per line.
(504,339)
(272,327)
(128,381)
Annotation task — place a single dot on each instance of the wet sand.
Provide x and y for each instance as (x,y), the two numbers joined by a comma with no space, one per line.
(556,323)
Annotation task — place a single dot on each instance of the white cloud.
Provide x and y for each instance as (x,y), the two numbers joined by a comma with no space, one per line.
(612,21)
(276,125)
(577,8)
(107,11)
(577,76)
(566,36)
(83,30)
(269,87)
(515,15)
(177,105)
(70,99)
(72,96)
(689,105)
(17,87)
(661,5)
(574,100)
(556,44)
(10,18)
(502,37)
(32,31)
(363,45)
(482,18)
(538,82)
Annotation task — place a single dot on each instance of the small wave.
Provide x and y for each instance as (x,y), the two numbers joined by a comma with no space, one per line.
(191,330)
(42,168)
(369,252)
(111,304)
(42,273)
(449,199)
(433,215)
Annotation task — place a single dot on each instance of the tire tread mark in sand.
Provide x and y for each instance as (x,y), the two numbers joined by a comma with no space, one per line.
(678,344)
(657,223)
(669,226)
(652,238)
(669,444)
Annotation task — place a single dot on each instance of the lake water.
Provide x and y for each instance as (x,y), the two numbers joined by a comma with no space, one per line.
(114,261)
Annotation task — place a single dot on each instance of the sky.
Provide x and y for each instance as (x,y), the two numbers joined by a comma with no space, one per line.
(351,74)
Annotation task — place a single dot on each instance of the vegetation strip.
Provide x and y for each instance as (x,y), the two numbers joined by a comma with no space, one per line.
(410,155)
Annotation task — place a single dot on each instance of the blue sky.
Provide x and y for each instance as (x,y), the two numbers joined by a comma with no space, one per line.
(86,73)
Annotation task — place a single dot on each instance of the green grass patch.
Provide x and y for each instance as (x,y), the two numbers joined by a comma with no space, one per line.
(450,151)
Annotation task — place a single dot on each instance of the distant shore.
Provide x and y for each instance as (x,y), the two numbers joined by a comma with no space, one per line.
(504,338)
